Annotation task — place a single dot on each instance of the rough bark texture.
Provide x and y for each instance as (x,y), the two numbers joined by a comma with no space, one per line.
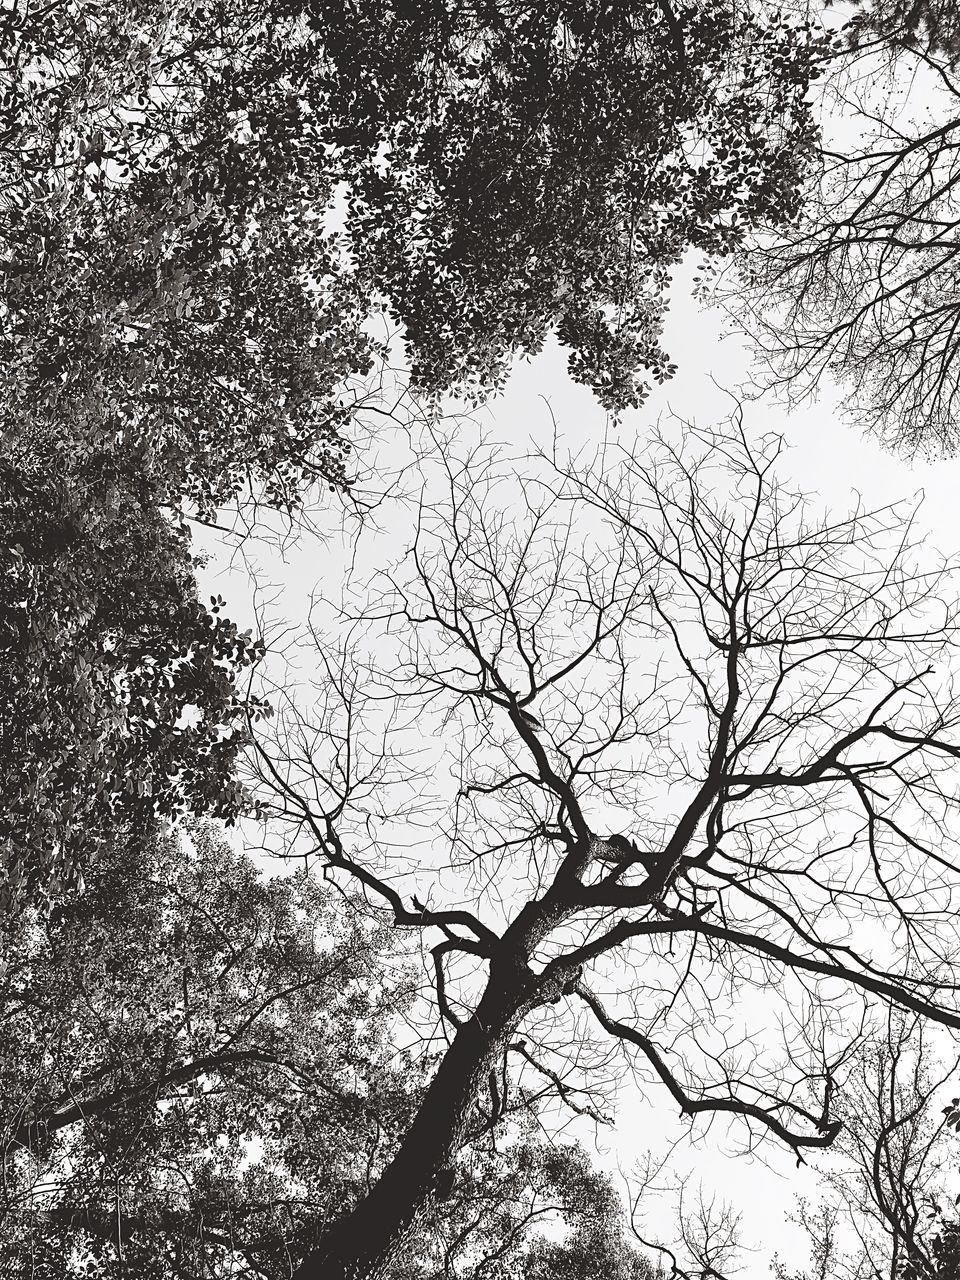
(359,1246)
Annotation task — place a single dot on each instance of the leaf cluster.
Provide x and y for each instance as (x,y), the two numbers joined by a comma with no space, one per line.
(119,696)
(205,202)
(199,1074)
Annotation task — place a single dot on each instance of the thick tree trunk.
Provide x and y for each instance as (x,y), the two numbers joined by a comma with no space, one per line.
(359,1246)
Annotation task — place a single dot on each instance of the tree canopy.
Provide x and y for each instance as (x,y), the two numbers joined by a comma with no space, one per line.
(120,699)
(178,1015)
(687,758)
(633,753)
(204,1069)
(929,27)
(495,172)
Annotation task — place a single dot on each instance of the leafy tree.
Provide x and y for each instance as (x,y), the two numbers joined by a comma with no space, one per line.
(680,740)
(155,289)
(118,688)
(547,164)
(198,1070)
(178,1018)
(930,27)
(128,394)
(509,170)
(487,1227)
(205,203)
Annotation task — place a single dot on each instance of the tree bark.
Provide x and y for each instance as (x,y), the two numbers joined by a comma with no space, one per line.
(360,1245)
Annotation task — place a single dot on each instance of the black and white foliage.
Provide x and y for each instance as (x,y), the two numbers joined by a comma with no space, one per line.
(633,762)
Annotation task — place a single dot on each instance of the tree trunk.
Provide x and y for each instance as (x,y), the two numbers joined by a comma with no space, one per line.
(359,1246)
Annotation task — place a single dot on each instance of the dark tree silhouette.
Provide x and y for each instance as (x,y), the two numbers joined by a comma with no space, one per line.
(889,1185)
(861,286)
(930,27)
(672,650)
(199,1067)
(174,179)
(120,700)
(204,205)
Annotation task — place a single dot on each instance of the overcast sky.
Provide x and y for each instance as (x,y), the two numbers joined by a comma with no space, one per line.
(832,462)
(829,460)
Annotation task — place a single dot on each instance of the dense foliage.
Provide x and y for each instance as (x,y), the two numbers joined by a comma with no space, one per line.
(928,26)
(205,200)
(119,700)
(179,1016)
(198,1072)
(521,168)
(154,293)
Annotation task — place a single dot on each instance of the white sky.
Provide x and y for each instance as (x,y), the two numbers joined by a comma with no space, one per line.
(828,460)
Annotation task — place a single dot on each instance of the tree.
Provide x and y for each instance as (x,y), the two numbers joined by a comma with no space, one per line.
(930,26)
(681,754)
(549,164)
(119,697)
(861,286)
(509,169)
(199,1065)
(205,205)
(162,1027)
(487,1228)
(155,266)
(888,1209)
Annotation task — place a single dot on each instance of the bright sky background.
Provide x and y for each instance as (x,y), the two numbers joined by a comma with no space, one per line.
(828,460)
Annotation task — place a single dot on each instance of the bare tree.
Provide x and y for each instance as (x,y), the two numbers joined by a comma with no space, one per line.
(663,767)
(863,286)
(705,1239)
(888,1179)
